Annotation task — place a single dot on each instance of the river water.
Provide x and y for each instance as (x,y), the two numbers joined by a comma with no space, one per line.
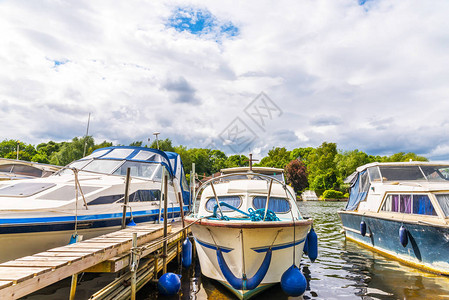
(343,270)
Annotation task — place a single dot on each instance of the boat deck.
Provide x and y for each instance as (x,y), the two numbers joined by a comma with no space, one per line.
(107,253)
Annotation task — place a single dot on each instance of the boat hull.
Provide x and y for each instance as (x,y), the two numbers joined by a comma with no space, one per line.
(244,247)
(426,248)
(36,234)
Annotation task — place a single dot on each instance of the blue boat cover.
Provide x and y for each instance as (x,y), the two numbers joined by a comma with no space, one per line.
(359,190)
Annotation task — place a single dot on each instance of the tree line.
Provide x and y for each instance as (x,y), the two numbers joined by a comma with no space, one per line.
(319,169)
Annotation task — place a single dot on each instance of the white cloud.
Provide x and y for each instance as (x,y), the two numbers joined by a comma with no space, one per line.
(372,77)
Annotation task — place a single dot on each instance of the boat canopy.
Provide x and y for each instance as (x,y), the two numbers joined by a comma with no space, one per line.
(144,162)
(130,153)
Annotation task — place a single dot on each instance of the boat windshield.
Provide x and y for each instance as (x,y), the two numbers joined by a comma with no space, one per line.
(410,173)
(148,170)
(279,177)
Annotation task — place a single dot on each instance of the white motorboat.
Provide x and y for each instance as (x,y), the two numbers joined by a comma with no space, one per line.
(86,198)
(248,229)
(402,211)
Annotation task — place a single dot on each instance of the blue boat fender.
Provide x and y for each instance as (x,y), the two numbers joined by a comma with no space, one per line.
(186,253)
(403,235)
(312,245)
(131,223)
(169,284)
(363,228)
(293,282)
(306,247)
(74,238)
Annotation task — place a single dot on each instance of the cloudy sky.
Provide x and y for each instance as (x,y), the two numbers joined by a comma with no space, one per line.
(241,76)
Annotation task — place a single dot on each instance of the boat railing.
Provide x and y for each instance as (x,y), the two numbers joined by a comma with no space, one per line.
(250,175)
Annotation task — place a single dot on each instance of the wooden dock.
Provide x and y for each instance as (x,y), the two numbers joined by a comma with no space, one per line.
(107,253)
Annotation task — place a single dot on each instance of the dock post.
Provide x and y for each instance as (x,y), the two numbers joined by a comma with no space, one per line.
(164,257)
(73,286)
(193,187)
(134,267)
(128,171)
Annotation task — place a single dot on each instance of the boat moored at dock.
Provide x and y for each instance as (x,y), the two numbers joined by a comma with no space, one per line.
(248,230)
(86,198)
(402,211)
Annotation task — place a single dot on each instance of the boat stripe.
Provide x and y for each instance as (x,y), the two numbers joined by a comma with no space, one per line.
(277,247)
(11,221)
(212,246)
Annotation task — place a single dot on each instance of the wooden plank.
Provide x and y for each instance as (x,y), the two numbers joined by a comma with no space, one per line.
(44,278)
(52,258)
(5,283)
(79,254)
(18,275)
(35,263)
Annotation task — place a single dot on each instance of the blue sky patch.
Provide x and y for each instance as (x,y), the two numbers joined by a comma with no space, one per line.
(201,22)
(60,62)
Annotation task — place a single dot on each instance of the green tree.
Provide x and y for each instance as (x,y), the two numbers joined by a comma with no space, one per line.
(200,157)
(71,151)
(237,161)
(185,158)
(164,145)
(136,144)
(302,154)
(402,157)
(347,162)
(49,148)
(218,160)
(322,167)
(277,158)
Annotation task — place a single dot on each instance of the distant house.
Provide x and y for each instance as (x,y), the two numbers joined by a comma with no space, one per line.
(308,195)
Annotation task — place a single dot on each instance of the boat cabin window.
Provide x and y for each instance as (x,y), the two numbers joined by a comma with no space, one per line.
(443,200)
(235,201)
(401,173)
(137,196)
(96,154)
(119,153)
(276,204)
(105,166)
(410,173)
(185,185)
(138,169)
(374,174)
(409,204)
(21,170)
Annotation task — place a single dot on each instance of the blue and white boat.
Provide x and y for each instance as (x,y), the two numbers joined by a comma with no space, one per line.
(87,197)
(248,231)
(402,211)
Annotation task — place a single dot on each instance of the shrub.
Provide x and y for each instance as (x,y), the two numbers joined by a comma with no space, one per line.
(332,194)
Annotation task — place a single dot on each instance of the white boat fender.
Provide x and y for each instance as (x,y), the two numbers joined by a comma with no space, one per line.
(312,245)
(363,228)
(169,284)
(403,236)
(293,282)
